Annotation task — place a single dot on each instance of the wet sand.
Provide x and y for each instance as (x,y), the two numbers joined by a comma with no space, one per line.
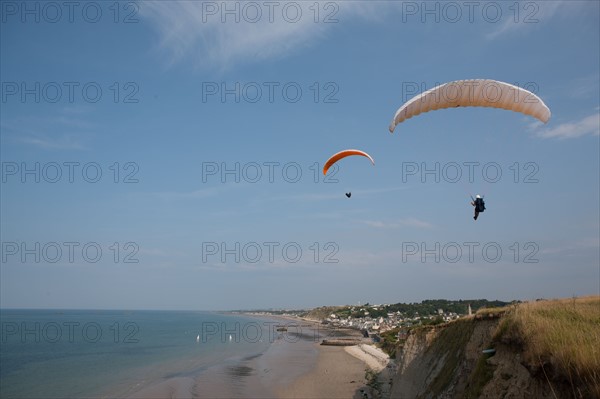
(180,387)
(332,373)
(295,365)
(336,374)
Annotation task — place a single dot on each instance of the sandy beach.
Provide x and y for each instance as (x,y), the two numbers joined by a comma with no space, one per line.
(336,374)
(180,387)
(295,365)
(337,371)
(373,357)
(307,369)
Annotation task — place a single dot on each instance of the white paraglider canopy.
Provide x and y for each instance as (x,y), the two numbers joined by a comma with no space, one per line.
(473,93)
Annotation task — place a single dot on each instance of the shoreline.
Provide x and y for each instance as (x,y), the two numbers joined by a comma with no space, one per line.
(336,374)
(373,357)
(339,371)
(294,365)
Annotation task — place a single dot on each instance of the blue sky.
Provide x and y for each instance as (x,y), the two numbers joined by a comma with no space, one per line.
(268,91)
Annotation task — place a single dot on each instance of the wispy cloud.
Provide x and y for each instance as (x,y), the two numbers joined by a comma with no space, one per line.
(153,252)
(65,130)
(64,142)
(408,222)
(584,87)
(588,126)
(335,196)
(306,197)
(182,195)
(76,109)
(528,15)
(332,214)
(222,34)
(575,246)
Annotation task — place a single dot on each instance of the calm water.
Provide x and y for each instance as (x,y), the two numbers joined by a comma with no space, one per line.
(52,354)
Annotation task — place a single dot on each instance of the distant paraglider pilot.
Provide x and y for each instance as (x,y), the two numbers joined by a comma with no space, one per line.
(479,205)
(341,155)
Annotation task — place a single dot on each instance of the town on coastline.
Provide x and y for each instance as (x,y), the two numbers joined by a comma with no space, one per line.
(465,348)
(386,321)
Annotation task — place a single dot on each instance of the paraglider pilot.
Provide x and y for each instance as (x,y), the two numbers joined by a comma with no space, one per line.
(479,205)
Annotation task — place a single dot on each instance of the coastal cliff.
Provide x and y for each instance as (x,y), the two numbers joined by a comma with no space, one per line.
(447,361)
(441,361)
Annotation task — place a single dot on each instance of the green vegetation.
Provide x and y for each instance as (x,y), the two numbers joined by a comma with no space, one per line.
(493,310)
(450,344)
(322,312)
(482,374)
(560,337)
(425,308)
(389,342)
(432,322)
(372,379)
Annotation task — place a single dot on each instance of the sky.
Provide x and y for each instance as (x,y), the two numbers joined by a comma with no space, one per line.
(168,155)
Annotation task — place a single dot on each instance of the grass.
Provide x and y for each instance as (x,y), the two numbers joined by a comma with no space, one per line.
(493,312)
(372,379)
(389,342)
(450,343)
(560,337)
(482,374)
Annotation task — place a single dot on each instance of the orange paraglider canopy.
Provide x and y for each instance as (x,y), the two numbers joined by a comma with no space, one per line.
(343,154)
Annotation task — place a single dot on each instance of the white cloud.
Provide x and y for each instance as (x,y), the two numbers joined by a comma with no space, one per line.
(408,222)
(588,126)
(335,196)
(64,142)
(48,133)
(523,15)
(584,87)
(306,197)
(222,34)
(153,252)
(574,246)
(76,109)
(196,194)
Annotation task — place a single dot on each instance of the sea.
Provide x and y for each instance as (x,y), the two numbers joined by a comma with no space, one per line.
(104,353)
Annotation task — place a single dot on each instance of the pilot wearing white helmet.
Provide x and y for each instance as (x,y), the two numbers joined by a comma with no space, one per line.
(479,205)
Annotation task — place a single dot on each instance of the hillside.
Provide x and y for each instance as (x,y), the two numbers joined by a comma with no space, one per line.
(423,308)
(543,349)
(321,313)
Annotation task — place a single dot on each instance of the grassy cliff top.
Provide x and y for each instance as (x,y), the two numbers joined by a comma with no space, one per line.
(561,337)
